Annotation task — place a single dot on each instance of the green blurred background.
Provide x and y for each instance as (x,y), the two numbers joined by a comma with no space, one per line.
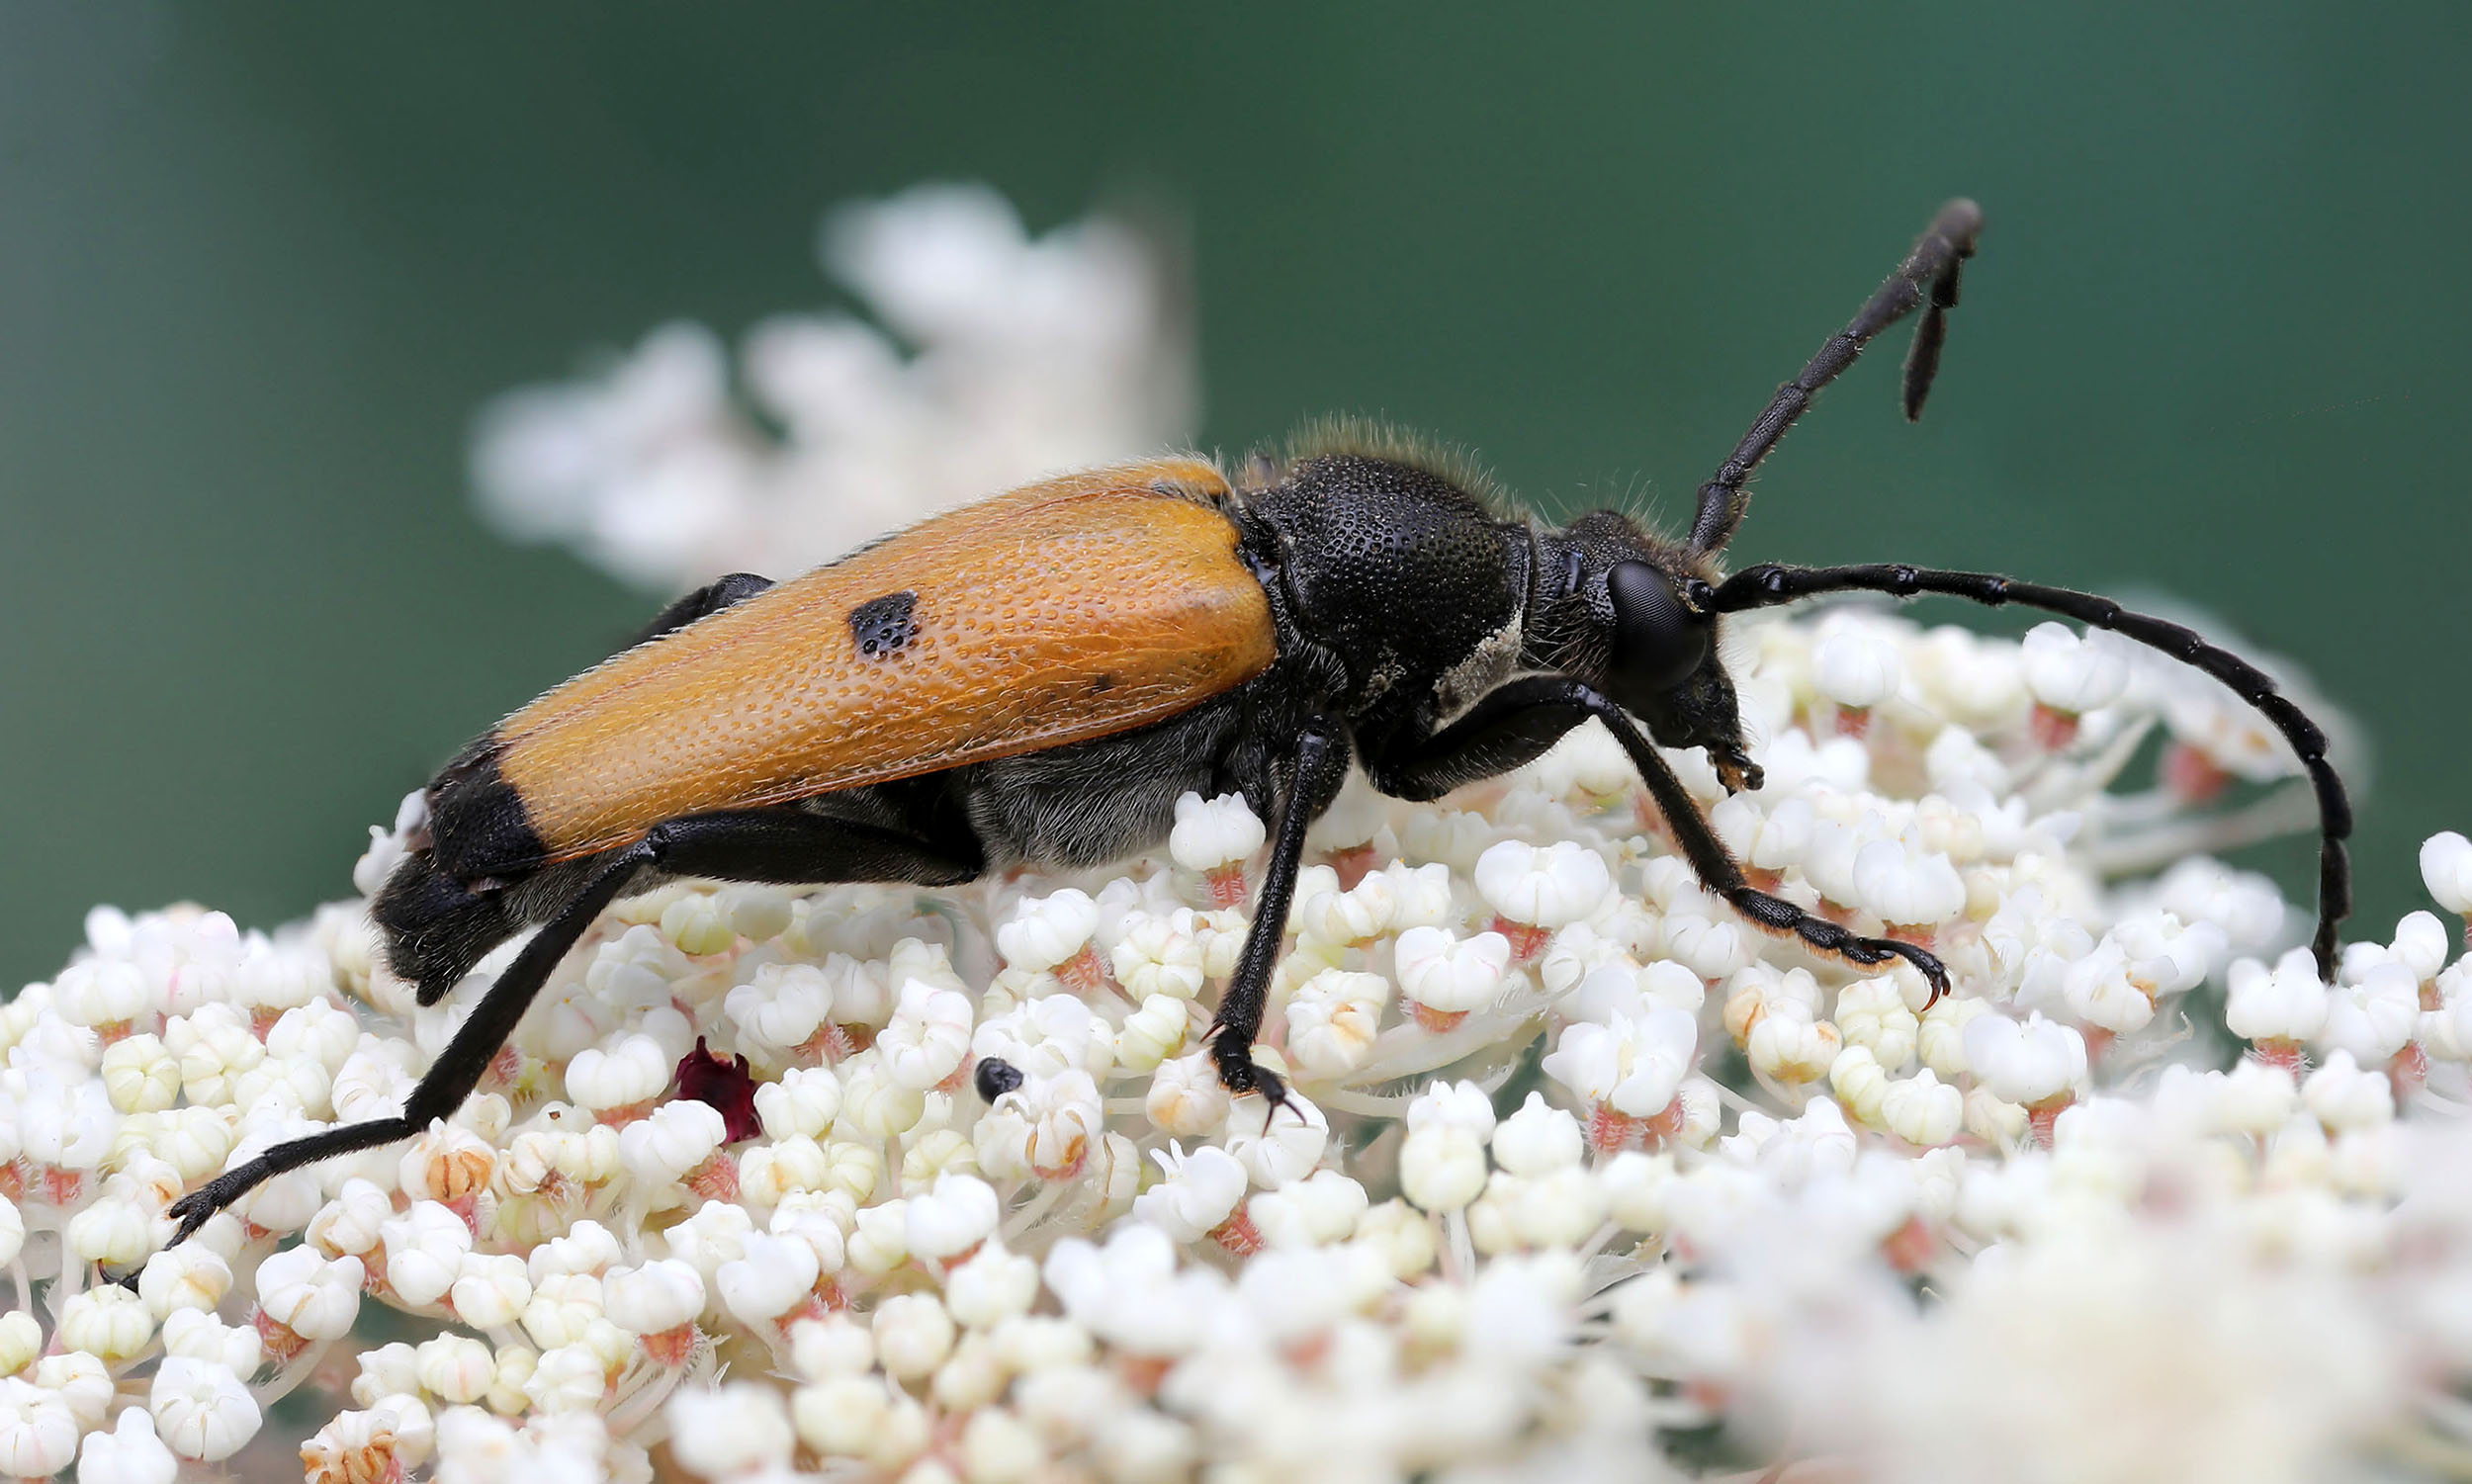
(259,265)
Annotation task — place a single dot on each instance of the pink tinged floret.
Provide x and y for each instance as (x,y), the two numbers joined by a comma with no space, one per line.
(2041,1117)
(727,1085)
(1527,939)
(2052,729)
(281,1342)
(1433,1019)
(1225,885)
(826,1301)
(1082,972)
(2191,776)
(1609,1131)
(832,1043)
(1354,864)
(1912,1247)
(1237,1233)
(717,1179)
(672,1347)
(2409,1069)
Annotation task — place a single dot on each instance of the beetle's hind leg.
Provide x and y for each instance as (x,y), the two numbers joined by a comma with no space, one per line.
(1320,767)
(452,1077)
(783,844)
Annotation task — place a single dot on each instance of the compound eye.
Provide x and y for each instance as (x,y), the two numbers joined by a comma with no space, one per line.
(1657,642)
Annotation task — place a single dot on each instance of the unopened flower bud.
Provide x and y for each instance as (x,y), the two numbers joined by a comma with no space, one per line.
(1855,666)
(491,1290)
(1542,888)
(1044,932)
(1442,1168)
(2285,1004)
(201,1410)
(738,1429)
(1922,1111)
(1277,1146)
(621,1081)
(2026,1064)
(2341,1096)
(1443,977)
(654,1298)
(2072,673)
(309,1294)
(2447,870)
(958,1213)
(913,1334)
(1213,833)
(130,1453)
(775,1276)
(109,1321)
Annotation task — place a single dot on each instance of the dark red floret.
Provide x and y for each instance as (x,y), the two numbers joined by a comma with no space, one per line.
(725,1083)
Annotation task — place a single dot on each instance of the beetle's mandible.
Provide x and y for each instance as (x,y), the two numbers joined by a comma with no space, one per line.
(1036,679)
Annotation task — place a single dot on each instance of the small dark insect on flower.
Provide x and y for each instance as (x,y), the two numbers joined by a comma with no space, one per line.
(1034,680)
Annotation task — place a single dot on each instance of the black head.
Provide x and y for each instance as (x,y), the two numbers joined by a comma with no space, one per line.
(1634,618)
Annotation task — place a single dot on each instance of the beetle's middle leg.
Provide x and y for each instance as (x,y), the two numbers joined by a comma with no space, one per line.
(1321,761)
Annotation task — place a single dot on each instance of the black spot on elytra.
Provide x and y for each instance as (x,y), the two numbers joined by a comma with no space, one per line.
(1101,684)
(883,624)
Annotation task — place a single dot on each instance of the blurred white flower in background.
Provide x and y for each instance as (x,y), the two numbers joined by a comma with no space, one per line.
(1583,1179)
(994,358)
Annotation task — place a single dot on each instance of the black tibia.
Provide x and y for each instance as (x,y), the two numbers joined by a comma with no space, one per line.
(703,602)
(1523,717)
(1769,585)
(756,844)
(1717,871)
(452,1077)
(1321,766)
(1926,279)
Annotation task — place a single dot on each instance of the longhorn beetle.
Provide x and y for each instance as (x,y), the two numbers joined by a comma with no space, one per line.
(1034,680)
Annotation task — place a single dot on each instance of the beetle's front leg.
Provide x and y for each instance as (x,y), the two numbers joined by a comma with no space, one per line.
(1516,723)
(1510,727)
(1320,767)
(1718,871)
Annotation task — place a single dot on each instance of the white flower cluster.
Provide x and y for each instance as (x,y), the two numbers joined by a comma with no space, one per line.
(1581,1167)
(1585,1178)
(1000,359)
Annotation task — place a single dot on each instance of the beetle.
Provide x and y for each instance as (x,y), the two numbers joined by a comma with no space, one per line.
(1036,679)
